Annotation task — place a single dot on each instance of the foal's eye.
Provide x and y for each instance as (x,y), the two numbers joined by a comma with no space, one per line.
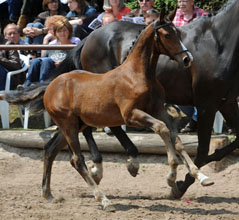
(167,36)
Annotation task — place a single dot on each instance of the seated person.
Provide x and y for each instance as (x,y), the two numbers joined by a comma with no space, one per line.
(150,16)
(80,16)
(29,11)
(9,61)
(11,33)
(116,7)
(35,31)
(144,6)
(14,9)
(108,18)
(41,67)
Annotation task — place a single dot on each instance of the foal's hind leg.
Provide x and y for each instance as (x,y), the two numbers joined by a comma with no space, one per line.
(51,149)
(70,130)
(132,151)
(96,171)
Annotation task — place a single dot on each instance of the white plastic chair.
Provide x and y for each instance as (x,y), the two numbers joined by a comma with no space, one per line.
(218,123)
(4,106)
(25,120)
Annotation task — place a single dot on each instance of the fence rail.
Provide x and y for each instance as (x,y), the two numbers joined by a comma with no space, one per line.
(36,47)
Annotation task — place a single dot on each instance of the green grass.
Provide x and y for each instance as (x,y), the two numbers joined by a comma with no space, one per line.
(35,121)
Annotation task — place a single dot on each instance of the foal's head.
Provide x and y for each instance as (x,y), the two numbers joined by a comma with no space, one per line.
(168,41)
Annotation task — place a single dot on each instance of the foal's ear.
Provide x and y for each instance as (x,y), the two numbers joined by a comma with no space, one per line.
(162,15)
(172,14)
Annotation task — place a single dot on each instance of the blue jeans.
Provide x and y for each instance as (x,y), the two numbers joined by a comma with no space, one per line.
(38,39)
(39,70)
(190,111)
(14,8)
(3,76)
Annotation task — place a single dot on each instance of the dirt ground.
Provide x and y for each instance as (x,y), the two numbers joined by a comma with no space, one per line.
(144,197)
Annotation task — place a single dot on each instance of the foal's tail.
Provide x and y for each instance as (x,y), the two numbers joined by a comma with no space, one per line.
(26,96)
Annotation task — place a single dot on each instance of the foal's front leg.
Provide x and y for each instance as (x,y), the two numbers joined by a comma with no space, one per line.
(140,118)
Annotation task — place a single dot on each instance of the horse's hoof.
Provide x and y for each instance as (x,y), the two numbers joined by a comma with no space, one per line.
(107,206)
(171,183)
(176,193)
(48,196)
(207,182)
(133,166)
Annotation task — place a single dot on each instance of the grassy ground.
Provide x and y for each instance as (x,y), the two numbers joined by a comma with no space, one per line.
(35,121)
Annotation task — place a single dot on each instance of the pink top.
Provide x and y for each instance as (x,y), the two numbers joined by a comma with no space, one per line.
(179,17)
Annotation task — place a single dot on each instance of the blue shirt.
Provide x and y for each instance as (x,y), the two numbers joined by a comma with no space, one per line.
(89,10)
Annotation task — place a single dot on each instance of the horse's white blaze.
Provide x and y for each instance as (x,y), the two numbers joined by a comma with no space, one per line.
(184,48)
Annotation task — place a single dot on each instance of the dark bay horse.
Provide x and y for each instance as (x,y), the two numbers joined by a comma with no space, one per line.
(129,94)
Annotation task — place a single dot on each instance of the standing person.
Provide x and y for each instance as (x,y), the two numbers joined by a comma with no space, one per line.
(185,14)
(41,67)
(116,7)
(80,15)
(9,60)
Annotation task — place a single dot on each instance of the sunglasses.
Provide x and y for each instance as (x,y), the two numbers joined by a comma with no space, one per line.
(144,0)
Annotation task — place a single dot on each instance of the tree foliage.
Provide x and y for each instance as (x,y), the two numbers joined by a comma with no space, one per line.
(209,5)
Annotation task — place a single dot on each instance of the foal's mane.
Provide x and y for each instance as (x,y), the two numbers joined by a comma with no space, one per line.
(133,43)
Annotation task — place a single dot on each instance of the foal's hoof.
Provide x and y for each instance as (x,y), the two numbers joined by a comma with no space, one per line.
(107,206)
(207,182)
(176,193)
(48,196)
(133,166)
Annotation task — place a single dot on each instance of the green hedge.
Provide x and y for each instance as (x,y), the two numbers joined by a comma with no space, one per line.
(210,5)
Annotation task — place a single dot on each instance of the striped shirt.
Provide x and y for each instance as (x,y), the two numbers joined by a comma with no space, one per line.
(179,19)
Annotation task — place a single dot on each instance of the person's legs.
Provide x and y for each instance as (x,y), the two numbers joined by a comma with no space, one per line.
(14,8)
(33,71)
(46,67)
(3,76)
(191,113)
(38,39)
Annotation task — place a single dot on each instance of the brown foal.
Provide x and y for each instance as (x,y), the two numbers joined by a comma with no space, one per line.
(129,94)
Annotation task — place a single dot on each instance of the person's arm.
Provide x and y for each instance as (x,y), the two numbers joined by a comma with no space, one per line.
(11,61)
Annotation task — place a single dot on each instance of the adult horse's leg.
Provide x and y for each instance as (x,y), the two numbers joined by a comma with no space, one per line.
(231,114)
(51,149)
(96,171)
(131,150)
(142,119)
